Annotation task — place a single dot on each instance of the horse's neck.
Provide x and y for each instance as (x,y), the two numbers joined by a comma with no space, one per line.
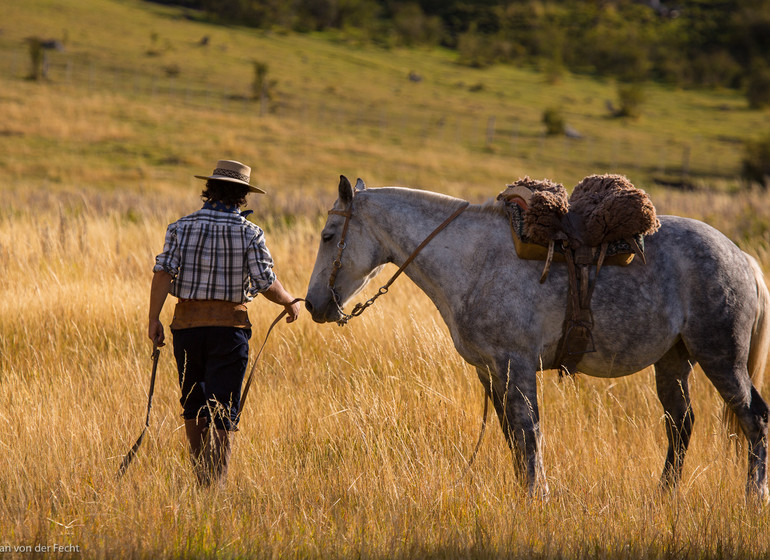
(402,219)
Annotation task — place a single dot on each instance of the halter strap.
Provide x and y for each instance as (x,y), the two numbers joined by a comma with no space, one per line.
(337,264)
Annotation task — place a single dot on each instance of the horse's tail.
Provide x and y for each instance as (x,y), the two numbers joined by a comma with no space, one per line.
(760,341)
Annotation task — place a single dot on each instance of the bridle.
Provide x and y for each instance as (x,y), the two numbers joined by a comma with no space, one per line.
(337,263)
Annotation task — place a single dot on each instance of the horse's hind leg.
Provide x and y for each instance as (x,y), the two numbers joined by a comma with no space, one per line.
(756,483)
(734,385)
(672,372)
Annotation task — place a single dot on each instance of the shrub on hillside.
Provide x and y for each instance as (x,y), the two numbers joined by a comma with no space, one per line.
(474,49)
(262,87)
(630,99)
(553,121)
(758,87)
(36,55)
(756,161)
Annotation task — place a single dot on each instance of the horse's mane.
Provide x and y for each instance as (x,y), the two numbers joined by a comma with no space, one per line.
(420,194)
(491,206)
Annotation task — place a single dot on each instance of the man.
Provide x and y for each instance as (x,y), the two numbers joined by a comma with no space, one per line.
(214,261)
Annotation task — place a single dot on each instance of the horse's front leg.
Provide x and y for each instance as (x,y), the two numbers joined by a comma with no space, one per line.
(514,395)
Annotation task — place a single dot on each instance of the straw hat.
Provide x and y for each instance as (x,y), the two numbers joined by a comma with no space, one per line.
(232,172)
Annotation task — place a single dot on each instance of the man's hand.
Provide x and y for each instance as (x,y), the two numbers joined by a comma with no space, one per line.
(278,294)
(292,311)
(161,281)
(156,334)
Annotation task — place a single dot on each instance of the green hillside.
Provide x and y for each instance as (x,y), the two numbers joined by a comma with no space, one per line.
(135,99)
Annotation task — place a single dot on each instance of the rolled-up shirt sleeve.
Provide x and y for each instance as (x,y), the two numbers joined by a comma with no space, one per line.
(169,260)
(260,266)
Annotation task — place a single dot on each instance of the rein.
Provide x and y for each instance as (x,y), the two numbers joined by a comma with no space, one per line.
(337,263)
(246,387)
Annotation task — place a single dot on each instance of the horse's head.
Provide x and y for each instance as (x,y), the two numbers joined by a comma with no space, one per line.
(348,256)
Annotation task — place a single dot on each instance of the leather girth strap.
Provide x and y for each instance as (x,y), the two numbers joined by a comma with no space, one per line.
(576,338)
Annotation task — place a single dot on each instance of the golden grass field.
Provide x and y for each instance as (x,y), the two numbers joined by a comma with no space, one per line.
(353,439)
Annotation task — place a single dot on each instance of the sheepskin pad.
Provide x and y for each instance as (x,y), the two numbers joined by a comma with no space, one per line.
(609,206)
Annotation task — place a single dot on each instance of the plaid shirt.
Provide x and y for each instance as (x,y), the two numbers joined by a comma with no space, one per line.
(216,254)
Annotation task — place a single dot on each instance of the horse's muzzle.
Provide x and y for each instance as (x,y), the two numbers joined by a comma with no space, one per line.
(326,312)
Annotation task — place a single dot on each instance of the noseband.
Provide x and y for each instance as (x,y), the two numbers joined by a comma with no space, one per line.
(337,263)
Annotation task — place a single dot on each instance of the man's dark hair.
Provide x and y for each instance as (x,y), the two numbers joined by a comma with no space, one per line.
(226,192)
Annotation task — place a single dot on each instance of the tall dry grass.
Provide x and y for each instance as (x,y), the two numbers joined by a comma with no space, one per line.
(352,439)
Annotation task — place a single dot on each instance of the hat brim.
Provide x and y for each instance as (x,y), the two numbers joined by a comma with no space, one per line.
(252,188)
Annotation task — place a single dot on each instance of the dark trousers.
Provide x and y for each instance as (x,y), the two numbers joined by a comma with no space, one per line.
(211,362)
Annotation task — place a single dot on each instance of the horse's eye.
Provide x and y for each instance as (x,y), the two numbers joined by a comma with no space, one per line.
(327,237)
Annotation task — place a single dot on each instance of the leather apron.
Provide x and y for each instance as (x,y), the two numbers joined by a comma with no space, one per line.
(190,313)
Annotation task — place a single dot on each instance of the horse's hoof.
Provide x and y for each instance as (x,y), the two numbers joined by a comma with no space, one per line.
(758,497)
(540,493)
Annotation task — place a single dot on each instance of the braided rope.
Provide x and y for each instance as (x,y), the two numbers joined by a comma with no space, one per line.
(231,174)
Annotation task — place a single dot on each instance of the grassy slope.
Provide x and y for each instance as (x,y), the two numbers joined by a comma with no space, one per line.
(353,437)
(341,108)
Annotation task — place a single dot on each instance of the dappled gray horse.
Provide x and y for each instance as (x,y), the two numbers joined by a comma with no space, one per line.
(698,299)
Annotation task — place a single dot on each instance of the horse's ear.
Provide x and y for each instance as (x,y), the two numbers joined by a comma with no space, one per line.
(346,191)
(360,185)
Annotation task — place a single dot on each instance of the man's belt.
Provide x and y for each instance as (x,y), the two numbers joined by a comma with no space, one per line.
(190,313)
